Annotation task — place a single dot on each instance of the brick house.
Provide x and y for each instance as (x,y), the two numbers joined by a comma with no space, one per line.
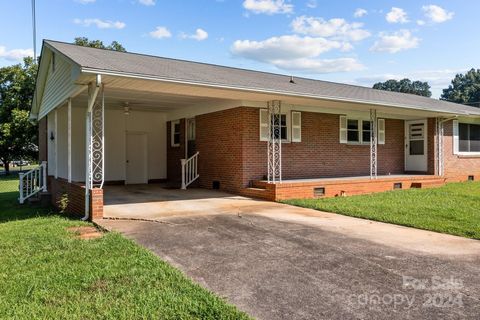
(109,117)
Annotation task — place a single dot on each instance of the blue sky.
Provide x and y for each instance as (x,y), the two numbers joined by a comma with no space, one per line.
(358,42)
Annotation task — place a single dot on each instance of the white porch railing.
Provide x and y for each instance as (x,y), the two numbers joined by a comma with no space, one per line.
(189,170)
(32,182)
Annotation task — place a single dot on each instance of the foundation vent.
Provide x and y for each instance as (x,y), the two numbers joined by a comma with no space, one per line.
(319,192)
(397,185)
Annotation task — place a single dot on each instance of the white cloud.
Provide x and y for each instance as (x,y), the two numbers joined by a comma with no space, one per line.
(147,2)
(420,22)
(292,52)
(283,47)
(395,42)
(335,28)
(101,24)
(160,33)
(268,6)
(312,4)
(15,54)
(199,35)
(85,1)
(397,15)
(436,14)
(360,13)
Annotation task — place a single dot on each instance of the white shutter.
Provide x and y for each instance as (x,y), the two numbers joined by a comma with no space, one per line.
(343,129)
(381,131)
(455,136)
(296,126)
(263,125)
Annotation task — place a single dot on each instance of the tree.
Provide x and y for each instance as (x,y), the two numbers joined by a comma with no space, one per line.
(17,134)
(465,88)
(84,41)
(406,86)
(17,138)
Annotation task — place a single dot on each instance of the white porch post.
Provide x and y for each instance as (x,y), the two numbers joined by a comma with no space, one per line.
(55,141)
(94,146)
(44,175)
(373,144)
(274,146)
(69,138)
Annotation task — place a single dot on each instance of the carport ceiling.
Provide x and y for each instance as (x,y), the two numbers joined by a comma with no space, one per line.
(148,101)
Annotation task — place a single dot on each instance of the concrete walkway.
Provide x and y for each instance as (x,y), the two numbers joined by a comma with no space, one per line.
(281,262)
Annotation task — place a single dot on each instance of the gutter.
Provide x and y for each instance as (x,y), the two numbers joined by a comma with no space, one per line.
(259,90)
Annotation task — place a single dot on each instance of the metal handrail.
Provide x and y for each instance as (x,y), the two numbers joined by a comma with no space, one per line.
(32,182)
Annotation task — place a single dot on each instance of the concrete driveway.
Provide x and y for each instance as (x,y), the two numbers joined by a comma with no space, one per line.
(275,261)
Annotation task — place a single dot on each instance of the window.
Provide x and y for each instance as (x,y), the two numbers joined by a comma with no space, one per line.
(286,124)
(175,133)
(283,127)
(366,131)
(353,131)
(468,137)
(359,131)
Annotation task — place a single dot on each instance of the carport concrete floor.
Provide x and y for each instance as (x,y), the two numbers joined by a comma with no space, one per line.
(275,261)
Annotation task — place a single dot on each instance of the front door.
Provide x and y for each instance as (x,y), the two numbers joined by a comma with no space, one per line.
(136,158)
(416,145)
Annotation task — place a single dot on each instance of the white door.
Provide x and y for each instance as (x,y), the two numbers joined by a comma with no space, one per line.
(416,145)
(136,158)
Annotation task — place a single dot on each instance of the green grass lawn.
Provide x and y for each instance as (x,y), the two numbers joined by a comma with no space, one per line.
(453,208)
(48,273)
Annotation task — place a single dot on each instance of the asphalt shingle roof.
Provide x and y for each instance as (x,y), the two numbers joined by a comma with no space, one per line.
(202,73)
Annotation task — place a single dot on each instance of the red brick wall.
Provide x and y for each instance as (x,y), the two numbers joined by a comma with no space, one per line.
(219,141)
(76,197)
(174,154)
(320,154)
(431,143)
(231,152)
(458,168)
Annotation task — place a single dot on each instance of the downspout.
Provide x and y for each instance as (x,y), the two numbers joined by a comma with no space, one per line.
(88,139)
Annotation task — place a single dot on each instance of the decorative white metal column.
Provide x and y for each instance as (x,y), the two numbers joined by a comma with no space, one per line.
(373,143)
(97,163)
(94,157)
(274,145)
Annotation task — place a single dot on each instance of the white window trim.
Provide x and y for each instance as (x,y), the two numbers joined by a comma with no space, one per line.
(360,131)
(456,140)
(172,133)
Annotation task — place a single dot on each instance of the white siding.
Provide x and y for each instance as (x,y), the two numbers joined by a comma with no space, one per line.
(116,126)
(51,143)
(58,86)
(62,141)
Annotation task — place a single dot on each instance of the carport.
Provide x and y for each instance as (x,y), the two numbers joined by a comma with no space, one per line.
(158,201)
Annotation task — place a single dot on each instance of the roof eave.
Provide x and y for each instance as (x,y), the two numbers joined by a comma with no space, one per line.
(89,70)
